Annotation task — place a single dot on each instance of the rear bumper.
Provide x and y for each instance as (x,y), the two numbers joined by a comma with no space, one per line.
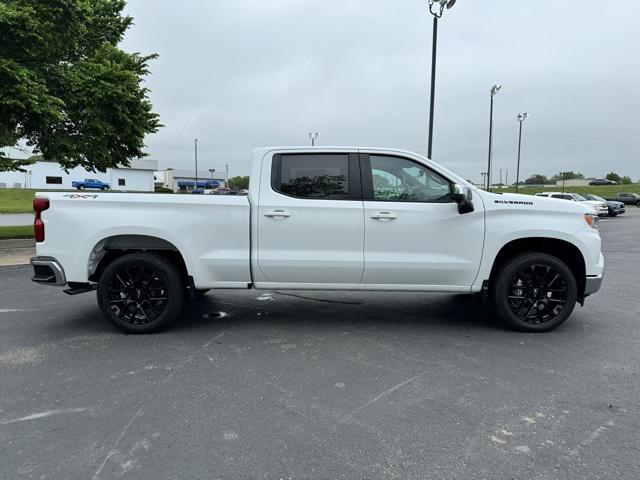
(592,285)
(48,271)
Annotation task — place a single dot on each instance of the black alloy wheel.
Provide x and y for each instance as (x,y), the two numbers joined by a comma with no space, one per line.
(535,292)
(538,293)
(140,293)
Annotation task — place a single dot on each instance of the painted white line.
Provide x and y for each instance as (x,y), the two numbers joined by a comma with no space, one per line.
(48,413)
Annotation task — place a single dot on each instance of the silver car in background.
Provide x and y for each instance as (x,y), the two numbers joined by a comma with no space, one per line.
(599,207)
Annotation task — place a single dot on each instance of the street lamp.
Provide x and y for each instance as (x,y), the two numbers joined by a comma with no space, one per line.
(494,91)
(212,171)
(521,118)
(436,7)
(313,137)
(484,176)
(195,143)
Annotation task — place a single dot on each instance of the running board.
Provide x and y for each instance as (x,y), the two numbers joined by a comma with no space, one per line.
(78,288)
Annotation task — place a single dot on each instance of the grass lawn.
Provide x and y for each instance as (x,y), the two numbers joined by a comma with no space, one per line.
(16,200)
(16,232)
(600,190)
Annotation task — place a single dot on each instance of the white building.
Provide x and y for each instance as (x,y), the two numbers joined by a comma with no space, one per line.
(574,182)
(138,177)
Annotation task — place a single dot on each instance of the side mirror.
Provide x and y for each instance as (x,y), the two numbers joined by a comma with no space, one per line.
(464,198)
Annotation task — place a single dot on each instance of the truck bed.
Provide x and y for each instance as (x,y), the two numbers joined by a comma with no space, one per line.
(211,231)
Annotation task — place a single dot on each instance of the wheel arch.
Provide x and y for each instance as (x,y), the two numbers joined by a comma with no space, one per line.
(110,248)
(566,251)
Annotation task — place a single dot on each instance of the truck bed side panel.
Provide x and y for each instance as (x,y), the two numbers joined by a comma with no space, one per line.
(211,232)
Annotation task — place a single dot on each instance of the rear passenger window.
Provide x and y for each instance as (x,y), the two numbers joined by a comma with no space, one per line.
(313,176)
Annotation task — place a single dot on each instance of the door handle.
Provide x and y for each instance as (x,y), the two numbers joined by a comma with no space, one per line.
(278,214)
(383,216)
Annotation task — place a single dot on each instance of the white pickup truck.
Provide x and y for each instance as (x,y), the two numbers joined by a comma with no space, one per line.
(322,219)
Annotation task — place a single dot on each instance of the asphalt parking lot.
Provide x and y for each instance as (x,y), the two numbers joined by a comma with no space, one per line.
(308,385)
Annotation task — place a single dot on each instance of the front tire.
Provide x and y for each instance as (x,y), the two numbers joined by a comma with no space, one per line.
(534,292)
(140,293)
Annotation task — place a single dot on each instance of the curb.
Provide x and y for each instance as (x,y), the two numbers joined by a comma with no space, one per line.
(17,243)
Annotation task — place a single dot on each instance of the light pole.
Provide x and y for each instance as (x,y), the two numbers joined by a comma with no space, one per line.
(226,182)
(436,7)
(484,177)
(313,137)
(494,90)
(195,144)
(212,171)
(521,118)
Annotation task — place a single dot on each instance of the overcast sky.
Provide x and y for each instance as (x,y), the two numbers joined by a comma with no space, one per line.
(244,73)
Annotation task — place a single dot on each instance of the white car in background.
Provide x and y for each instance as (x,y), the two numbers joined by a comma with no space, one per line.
(599,207)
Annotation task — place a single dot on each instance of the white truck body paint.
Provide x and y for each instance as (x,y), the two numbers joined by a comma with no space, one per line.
(228,242)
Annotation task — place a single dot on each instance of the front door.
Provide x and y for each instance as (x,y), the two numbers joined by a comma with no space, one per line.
(310,220)
(414,235)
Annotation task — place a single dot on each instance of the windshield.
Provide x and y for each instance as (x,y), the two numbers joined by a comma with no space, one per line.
(595,197)
(579,198)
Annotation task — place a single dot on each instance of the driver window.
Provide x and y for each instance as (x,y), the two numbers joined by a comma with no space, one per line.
(397,179)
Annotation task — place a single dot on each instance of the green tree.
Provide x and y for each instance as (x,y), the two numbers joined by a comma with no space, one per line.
(626,180)
(614,177)
(239,183)
(537,179)
(66,89)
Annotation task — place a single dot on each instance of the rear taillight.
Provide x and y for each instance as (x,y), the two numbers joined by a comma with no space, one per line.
(39,206)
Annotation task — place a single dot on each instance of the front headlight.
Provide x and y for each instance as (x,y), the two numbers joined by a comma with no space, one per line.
(592,220)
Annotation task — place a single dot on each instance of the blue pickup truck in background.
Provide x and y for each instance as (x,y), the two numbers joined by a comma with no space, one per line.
(90,183)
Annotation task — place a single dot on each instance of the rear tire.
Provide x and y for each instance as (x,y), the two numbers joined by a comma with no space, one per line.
(534,292)
(140,293)
(81,187)
(638,204)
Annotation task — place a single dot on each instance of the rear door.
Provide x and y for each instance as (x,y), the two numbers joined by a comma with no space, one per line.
(415,238)
(310,221)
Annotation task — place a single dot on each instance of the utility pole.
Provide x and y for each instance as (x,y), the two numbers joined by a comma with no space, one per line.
(521,118)
(195,144)
(494,90)
(313,137)
(436,8)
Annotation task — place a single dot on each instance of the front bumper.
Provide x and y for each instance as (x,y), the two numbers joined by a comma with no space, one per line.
(592,285)
(48,271)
